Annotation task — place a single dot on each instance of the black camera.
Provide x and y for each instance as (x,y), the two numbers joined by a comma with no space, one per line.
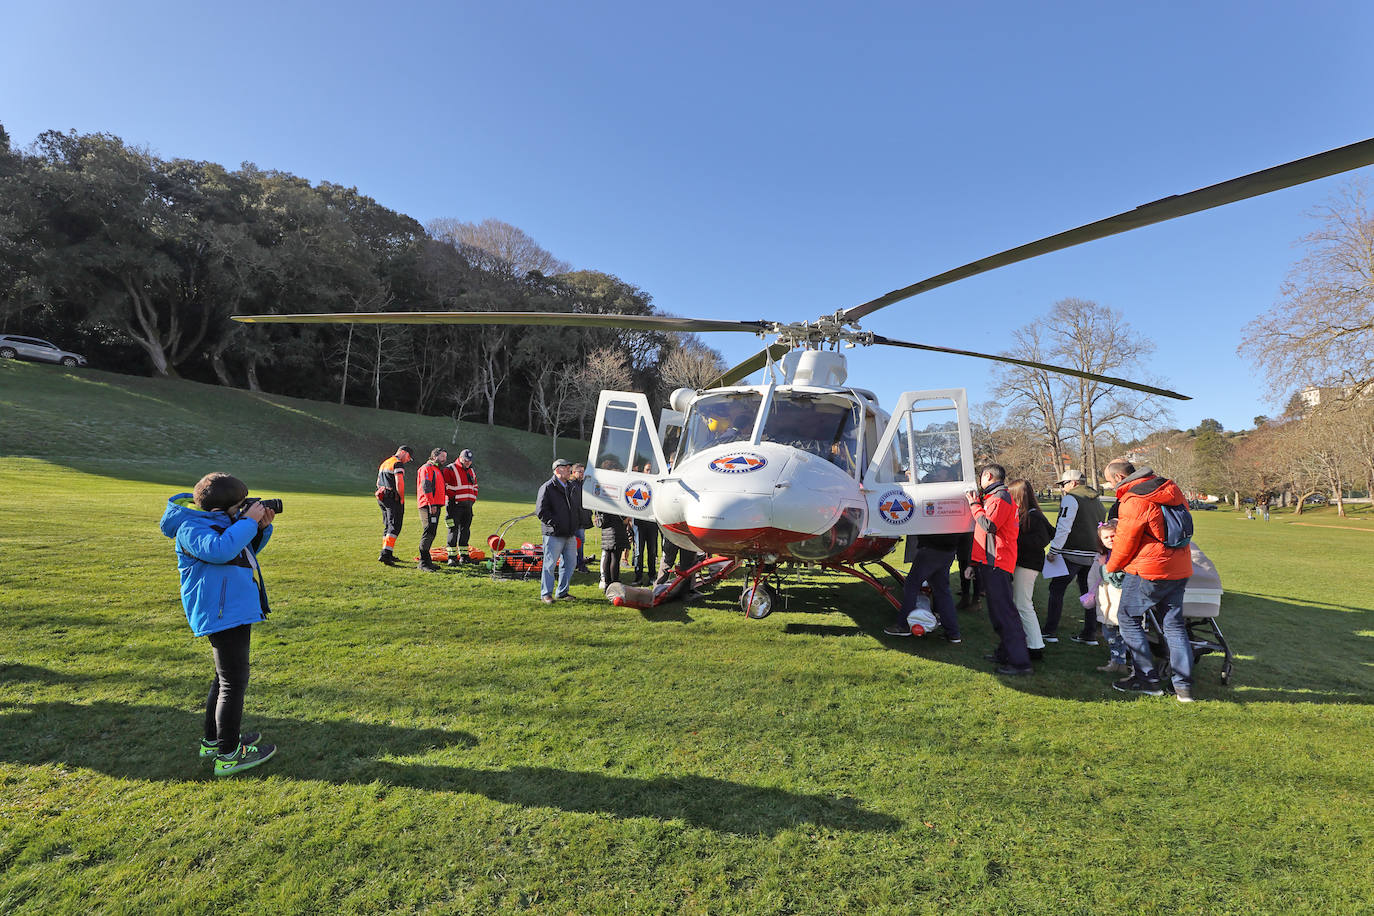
(273,504)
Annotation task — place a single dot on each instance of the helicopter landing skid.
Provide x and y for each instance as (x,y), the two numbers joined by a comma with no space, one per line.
(894,597)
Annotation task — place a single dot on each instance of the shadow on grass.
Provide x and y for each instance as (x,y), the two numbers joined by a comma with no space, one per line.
(1287,652)
(159,743)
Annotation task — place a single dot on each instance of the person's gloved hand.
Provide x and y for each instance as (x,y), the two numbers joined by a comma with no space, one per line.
(1115,578)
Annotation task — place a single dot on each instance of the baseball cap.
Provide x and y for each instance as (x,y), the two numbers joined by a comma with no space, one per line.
(1075,476)
(561,463)
(466,453)
(405,448)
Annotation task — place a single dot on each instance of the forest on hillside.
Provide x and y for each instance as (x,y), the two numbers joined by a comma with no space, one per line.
(138,261)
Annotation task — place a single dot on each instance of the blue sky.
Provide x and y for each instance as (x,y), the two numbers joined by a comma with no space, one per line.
(773,160)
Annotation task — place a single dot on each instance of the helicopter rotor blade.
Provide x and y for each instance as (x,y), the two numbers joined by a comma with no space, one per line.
(750,366)
(1297,172)
(1031,364)
(555,319)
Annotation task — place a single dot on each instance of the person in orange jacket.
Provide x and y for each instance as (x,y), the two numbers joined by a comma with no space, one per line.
(1151,576)
(430,493)
(391,497)
(996,527)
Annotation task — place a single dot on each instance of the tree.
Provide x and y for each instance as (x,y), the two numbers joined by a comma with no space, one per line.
(498,247)
(689,364)
(1097,339)
(1036,397)
(1321,332)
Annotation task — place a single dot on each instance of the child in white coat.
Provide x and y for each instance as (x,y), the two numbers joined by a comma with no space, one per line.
(1105,595)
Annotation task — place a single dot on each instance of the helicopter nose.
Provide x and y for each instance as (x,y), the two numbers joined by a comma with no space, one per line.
(784,497)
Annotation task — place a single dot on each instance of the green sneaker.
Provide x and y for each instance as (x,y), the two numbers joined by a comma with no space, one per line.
(211,748)
(245,758)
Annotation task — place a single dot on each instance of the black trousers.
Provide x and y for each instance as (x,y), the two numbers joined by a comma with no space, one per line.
(430,516)
(224,706)
(1059,586)
(459,525)
(1006,620)
(393,514)
(646,549)
(963,554)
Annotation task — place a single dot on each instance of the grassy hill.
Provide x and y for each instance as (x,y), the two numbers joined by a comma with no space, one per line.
(168,430)
(451,745)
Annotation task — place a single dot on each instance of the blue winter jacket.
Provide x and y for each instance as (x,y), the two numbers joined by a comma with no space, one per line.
(215,557)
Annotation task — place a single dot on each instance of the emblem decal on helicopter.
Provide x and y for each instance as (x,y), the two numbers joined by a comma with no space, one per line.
(638,495)
(738,463)
(896,507)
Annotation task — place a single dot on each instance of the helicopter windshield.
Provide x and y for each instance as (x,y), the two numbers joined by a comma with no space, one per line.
(718,419)
(826,425)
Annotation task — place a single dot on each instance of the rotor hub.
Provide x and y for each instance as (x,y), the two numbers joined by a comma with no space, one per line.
(828,329)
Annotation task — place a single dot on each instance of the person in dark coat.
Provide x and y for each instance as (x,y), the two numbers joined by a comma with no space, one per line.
(558,509)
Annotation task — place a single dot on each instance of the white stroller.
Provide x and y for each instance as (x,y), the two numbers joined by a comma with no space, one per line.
(1201,606)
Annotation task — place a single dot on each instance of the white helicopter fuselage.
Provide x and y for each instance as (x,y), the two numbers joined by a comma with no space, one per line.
(809,472)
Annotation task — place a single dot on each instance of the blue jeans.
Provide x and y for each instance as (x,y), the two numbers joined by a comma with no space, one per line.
(555,549)
(932,567)
(1166,597)
(1115,644)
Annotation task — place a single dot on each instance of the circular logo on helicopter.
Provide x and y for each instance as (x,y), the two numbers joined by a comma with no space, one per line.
(895,507)
(737,463)
(638,495)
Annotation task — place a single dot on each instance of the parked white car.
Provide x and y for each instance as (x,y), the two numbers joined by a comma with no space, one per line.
(12,346)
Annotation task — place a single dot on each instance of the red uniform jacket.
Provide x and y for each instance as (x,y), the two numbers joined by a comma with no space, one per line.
(996,527)
(429,485)
(461,482)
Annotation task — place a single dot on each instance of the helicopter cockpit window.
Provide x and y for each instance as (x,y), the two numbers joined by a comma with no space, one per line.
(826,425)
(644,461)
(613,452)
(719,419)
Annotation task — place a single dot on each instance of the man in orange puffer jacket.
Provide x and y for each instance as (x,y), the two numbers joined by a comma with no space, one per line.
(1155,576)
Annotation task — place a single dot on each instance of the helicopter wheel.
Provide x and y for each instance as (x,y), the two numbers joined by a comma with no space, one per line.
(756,600)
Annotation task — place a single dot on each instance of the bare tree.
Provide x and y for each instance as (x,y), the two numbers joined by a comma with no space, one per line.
(606,369)
(498,247)
(555,394)
(1321,332)
(691,364)
(1036,397)
(467,390)
(493,361)
(1097,339)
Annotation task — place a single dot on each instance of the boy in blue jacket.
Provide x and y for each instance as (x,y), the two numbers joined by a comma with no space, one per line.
(218,538)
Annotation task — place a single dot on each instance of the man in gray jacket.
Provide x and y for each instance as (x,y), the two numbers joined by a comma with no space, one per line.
(1075,540)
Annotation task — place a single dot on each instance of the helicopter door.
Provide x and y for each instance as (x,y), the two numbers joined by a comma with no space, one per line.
(626,458)
(921,467)
(670,426)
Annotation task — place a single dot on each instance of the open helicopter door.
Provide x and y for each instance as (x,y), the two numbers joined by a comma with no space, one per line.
(921,467)
(626,457)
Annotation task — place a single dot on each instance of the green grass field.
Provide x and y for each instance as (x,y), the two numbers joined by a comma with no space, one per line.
(449,744)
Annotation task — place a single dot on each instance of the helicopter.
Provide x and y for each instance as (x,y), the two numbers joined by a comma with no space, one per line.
(806,469)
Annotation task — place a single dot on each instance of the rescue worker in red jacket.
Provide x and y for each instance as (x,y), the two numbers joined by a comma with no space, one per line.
(995,531)
(391,497)
(461,482)
(430,494)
